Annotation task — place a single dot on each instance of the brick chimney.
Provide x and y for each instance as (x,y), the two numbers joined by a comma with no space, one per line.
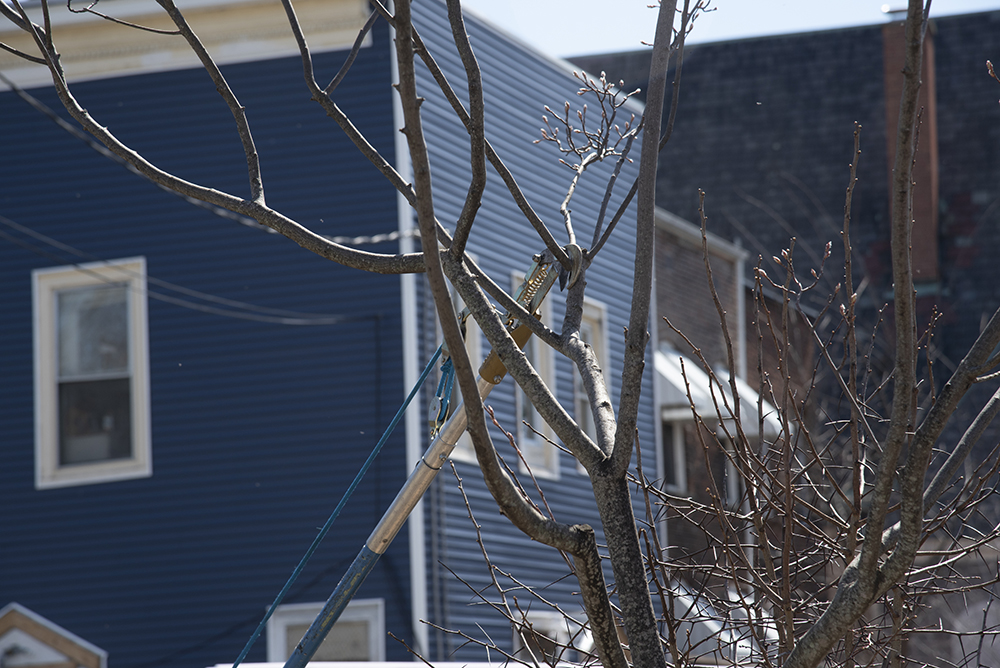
(924,237)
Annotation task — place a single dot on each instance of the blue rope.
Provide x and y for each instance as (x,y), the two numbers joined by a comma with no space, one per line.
(329,523)
(445,387)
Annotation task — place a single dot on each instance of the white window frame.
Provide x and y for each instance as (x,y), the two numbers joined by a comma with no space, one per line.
(464,451)
(45,285)
(678,418)
(370,610)
(559,628)
(595,314)
(734,485)
(539,451)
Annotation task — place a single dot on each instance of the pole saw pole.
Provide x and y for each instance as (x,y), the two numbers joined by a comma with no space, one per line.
(539,279)
(378,542)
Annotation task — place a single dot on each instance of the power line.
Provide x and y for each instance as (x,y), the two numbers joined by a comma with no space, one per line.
(234,308)
(104,151)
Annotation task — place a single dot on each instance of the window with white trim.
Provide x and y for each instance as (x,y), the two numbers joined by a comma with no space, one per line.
(464,450)
(593,331)
(673,459)
(358,635)
(734,486)
(91,373)
(538,450)
(551,638)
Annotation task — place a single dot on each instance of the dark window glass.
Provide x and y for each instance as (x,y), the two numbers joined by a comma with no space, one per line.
(670,477)
(95,416)
(95,422)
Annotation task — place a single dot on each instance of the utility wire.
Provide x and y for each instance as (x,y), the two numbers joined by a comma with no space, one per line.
(100,148)
(103,150)
(236,309)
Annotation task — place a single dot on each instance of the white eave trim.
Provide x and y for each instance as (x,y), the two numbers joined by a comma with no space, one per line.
(233,31)
(691,233)
(675,380)
(57,630)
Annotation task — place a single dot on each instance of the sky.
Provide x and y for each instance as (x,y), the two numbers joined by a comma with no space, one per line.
(573,27)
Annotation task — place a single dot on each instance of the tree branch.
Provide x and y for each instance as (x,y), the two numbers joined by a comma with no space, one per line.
(322,97)
(89,9)
(367,261)
(21,54)
(516,363)
(904,374)
(475,126)
(511,501)
(611,490)
(638,335)
(687,16)
(355,49)
(863,579)
(222,86)
(497,163)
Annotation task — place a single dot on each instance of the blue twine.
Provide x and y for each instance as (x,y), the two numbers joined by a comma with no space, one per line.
(329,523)
(445,387)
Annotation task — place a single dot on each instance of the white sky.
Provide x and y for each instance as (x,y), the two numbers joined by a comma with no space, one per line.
(573,27)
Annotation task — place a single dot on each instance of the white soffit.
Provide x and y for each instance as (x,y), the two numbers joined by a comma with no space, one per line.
(27,639)
(232,31)
(21,650)
(691,233)
(675,379)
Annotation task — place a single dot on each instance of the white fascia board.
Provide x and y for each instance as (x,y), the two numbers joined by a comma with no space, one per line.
(691,233)
(55,628)
(233,31)
(674,384)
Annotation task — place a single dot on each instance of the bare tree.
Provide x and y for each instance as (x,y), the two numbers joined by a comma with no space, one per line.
(801,512)
(838,538)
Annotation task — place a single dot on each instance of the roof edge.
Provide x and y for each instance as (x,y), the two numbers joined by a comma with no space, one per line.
(688,231)
(55,628)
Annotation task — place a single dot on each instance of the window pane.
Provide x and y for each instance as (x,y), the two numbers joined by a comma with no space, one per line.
(93,331)
(587,332)
(670,477)
(347,641)
(95,421)
(584,416)
(542,648)
(590,329)
(528,413)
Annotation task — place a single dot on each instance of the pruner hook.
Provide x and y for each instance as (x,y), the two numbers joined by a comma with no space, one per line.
(568,277)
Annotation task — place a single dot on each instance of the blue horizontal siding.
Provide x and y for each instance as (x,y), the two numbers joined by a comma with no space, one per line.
(518,84)
(256,428)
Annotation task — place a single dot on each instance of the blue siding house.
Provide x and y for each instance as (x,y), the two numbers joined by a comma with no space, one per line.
(185,396)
